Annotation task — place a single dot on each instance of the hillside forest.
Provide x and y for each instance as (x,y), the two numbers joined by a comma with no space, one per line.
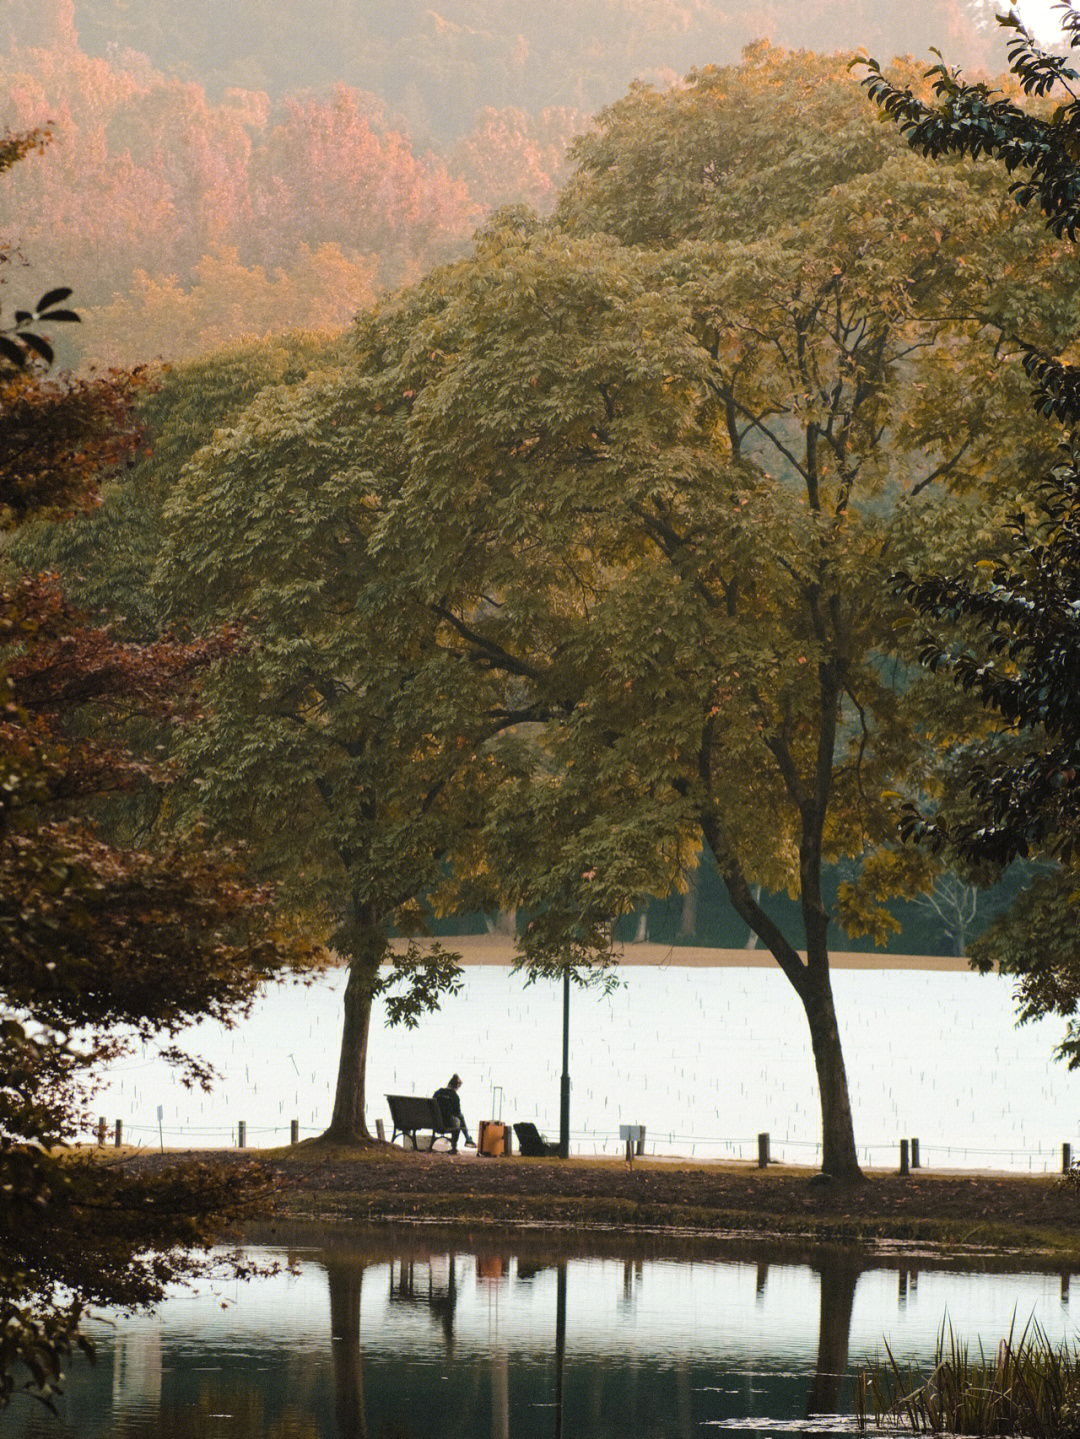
(221,172)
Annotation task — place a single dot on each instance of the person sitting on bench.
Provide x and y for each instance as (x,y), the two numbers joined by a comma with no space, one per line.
(450,1105)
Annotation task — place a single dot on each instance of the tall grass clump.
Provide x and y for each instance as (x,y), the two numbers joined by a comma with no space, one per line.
(1027,1388)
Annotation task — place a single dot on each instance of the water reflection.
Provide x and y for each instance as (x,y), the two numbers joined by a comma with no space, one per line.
(345,1282)
(560,1347)
(436,1337)
(837,1283)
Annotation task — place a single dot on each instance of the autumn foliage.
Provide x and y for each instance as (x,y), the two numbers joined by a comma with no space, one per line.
(312,166)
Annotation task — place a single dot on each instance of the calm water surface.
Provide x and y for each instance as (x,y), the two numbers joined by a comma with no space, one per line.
(432,1336)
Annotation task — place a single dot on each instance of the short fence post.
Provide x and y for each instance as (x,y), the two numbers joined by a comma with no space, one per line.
(915,1154)
(119,1133)
(903,1157)
(294,1131)
(241,1135)
(101,1128)
(380,1131)
(630,1153)
(762,1150)
(640,1140)
(1066,1158)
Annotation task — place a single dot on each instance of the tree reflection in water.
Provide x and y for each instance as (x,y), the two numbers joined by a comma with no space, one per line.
(838,1278)
(346,1280)
(431,1285)
(427,1336)
(457,1345)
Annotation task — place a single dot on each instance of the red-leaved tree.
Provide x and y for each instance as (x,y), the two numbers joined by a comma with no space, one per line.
(100,937)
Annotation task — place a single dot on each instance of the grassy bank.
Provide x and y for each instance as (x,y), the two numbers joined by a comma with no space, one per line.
(334,1187)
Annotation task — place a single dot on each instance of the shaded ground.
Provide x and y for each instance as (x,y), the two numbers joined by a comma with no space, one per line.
(336,1186)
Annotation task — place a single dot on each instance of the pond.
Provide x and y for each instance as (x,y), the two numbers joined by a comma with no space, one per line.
(428,1334)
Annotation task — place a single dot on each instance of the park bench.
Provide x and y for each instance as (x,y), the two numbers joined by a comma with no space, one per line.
(411,1112)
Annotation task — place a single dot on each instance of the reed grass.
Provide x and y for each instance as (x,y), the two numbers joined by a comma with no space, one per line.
(1029,1387)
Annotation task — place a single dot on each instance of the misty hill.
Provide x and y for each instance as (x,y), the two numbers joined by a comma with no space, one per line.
(435,64)
(223,170)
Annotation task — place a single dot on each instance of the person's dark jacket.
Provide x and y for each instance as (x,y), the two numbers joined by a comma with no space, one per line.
(449,1105)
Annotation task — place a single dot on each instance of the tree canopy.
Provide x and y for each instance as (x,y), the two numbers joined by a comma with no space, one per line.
(663,455)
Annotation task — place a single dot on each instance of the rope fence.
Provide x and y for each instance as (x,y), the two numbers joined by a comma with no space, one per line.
(761,1149)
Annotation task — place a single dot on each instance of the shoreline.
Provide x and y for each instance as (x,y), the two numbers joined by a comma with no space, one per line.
(498,950)
(341,1189)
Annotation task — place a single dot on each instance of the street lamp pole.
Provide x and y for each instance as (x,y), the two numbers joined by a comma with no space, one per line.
(564,1106)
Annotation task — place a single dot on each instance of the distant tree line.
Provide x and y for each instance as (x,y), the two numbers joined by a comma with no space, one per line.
(438,65)
(217,177)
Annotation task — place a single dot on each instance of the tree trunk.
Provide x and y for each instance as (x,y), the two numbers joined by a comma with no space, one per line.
(504,921)
(810,980)
(838,1154)
(752,939)
(689,918)
(348,1124)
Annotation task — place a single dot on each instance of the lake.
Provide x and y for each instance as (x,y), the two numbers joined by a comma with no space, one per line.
(705,1058)
(427,1334)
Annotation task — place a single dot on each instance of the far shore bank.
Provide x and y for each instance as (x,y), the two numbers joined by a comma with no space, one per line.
(498,949)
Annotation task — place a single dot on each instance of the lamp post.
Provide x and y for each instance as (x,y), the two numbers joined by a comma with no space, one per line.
(564,1105)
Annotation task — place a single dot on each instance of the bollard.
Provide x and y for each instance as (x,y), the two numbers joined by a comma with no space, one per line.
(1066,1158)
(241,1135)
(630,1153)
(903,1156)
(380,1131)
(640,1150)
(101,1128)
(915,1154)
(762,1150)
(294,1132)
(119,1133)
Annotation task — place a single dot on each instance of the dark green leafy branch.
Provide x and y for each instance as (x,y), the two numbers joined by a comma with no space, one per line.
(21,341)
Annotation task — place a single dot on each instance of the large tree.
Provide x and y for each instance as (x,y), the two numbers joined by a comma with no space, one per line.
(340,741)
(1010,634)
(659,460)
(344,742)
